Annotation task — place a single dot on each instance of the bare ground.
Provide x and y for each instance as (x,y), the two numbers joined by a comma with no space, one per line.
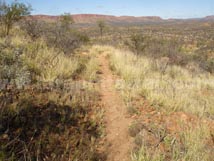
(116,119)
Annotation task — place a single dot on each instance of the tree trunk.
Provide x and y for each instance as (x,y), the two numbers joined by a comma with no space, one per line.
(101,32)
(7,29)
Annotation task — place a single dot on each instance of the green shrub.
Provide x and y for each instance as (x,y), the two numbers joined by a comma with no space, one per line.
(210,65)
(12,67)
(137,43)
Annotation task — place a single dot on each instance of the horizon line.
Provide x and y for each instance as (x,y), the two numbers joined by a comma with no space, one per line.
(38,14)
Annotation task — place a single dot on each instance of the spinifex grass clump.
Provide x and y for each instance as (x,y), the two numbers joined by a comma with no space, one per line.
(157,144)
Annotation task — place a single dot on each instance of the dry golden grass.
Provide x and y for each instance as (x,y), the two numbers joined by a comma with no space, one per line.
(45,62)
(191,146)
(51,64)
(92,66)
(171,88)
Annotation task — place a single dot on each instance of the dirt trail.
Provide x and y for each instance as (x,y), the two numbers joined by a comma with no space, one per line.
(117,122)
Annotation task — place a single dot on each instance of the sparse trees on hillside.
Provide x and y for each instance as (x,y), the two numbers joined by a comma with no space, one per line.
(11,13)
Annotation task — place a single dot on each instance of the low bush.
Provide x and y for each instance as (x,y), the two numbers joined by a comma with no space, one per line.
(12,67)
(64,40)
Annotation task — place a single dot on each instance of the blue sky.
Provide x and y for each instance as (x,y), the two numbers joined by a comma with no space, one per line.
(162,8)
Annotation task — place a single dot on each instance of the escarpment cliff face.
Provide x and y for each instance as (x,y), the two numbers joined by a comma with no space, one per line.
(90,18)
(93,18)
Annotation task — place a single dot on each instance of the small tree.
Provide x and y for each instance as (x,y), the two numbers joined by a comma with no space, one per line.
(66,21)
(11,13)
(2,4)
(64,40)
(102,25)
(32,27)
(137,43)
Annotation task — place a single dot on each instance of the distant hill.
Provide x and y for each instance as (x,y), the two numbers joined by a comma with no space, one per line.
(209,18)
(93,18)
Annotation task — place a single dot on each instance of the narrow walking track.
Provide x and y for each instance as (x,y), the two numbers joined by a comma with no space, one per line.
(117,122)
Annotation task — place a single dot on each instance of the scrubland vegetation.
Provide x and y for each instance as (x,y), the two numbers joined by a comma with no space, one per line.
(173,90)
(168,87)
(167,79)
(50,105)
(46,113)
